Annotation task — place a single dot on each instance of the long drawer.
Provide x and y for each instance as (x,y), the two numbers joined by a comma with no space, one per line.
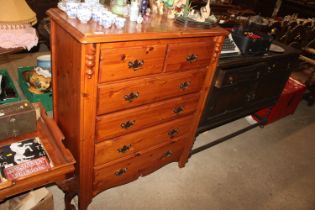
(123,172)
(123,122)
(125,62)
(127,94)
(135,143)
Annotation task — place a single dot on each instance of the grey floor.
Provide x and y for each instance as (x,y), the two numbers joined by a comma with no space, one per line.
(270,168)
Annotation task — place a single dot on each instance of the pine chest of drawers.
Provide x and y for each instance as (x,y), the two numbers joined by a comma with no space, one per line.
(128,101)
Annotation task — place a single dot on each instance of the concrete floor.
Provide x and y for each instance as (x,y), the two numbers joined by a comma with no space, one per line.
(271,168)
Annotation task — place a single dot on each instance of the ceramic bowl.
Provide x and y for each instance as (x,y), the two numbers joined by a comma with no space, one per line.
(44,61)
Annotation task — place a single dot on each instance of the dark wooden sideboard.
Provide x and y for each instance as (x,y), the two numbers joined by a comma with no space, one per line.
(128,100)
(246,84)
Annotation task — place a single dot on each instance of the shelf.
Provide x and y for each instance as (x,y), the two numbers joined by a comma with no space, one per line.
(9,51)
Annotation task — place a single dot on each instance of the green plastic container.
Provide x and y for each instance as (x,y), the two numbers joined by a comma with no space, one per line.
(10,84)
(45,98)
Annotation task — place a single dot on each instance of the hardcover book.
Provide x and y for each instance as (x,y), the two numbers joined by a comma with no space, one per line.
(27,168)
(23,158)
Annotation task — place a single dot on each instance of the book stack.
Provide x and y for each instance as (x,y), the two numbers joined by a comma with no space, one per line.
(22,159)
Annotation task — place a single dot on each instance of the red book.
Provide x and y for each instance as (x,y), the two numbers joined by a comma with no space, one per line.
(26,168)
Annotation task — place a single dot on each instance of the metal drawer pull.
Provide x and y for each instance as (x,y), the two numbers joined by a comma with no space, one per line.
(121,172)
(136,64)
(250,97)
(124,149)
(167,154)
(173,133)
(258,75)
(184,85)
(127,124)
(131,96)
(178,110)
(231,80)
(191,58)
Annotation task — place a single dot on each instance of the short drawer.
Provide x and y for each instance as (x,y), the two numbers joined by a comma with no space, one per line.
(136,142)
(185,56)
(126,62)
(128,170)
(127,94)
(123,122)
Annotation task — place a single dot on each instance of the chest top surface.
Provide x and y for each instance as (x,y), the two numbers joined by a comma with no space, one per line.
(153,27)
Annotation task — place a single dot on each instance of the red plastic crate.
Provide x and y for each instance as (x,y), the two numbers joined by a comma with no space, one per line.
(287,103)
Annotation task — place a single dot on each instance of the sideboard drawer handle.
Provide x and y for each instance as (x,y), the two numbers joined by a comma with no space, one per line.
(121,172)
(191,58)
(184,85)
(178,109)
(127,124)
(136,64)
(230,80)
(124,149)
(131,96)
(173,133)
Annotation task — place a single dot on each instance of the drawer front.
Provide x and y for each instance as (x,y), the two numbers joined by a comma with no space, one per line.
(185,56)
(123,122)
(124,95)
(116,174)
(162,156)
(120,63)
(129,170)
(234,76)
(138,141)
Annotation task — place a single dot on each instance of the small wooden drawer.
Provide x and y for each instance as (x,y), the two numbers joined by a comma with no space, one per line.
(127,94)
(116,174)
(162,156)
(126,62)
(123,122)
(185,56)
(133,143)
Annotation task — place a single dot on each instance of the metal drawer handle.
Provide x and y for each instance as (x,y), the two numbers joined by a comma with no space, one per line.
(258,75)
(250,97)
(184,85)
(178,110)
(167,154)
(121,172)
(131,96)
(231,79)
(124,149)
(191,58)
(127,124)
(136,64)
(173,133)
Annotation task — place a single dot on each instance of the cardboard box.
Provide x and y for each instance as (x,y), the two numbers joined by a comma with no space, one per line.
(40,199)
